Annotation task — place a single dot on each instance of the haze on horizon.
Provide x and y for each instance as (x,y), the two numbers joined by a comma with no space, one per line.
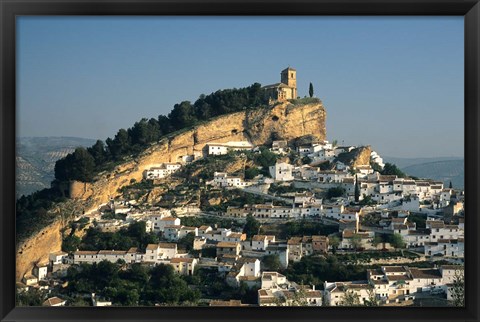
(395,83)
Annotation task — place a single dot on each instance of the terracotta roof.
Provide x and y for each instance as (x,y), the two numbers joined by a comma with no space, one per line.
(188,228)
(295,241)
(167,245)
(168,219)
(112,252)
(425,273)
(403,277)
(394,269)
(86,252)
(182,260)
(53,301)
(259,238)
(152,246)
(227,244)
(319,238)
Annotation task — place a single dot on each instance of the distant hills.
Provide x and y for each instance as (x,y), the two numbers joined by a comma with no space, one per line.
(36,157)
(443,169)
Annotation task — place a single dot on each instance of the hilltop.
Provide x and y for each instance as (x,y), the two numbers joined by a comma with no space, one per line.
(287,120)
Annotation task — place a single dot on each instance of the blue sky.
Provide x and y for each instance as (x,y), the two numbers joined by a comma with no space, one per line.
(395,83)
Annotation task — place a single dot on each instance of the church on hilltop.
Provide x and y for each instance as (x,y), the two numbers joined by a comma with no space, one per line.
(286,89)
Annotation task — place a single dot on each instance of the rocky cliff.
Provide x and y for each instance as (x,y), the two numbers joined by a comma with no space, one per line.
(260,126)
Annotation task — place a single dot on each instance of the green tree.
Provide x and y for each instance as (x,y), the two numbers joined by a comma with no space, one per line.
(335,192)
(334,241)
(186,242)
(182,115)
(357,190)
(271,263)
(70,243)
(376,241)
(296,298)
(251,227)
(350,298)
(372,299)
(458,289)
(310,90)
(120,145)
(396,240)
(31,297)
(391,169)
(78,165)
(266,158)
(356,241)
(367,201)
(251,173)
(450,185)
(306,160)
(98,152)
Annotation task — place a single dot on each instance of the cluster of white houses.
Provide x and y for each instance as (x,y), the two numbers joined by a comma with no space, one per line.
(390,284)
(161,171)
(162,253)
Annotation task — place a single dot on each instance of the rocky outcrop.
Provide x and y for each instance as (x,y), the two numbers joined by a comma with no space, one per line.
(36,249)
(357,157)
(259,126)
(362,156)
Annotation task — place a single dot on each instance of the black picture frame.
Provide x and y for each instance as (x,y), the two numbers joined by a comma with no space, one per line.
(9,9)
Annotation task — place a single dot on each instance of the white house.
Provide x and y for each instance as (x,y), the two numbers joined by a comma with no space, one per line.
(281,171)
(223,148)
(446,247)
(184,266)
(57,257)
(40,271)
(161,171)
(335,291)
(160,224)
(222,179)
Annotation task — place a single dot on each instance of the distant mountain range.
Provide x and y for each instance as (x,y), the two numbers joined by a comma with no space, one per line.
(36,157)
(445,169)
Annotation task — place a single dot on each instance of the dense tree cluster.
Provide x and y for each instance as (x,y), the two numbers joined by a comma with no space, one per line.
(82,164)
(306,228)
(137,285)
(252,226)
(317,269)
(392,169)
(335,192)
(134,235)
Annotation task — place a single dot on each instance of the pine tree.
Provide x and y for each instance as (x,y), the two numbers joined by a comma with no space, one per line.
(458,289)
(357,190)
(310,90)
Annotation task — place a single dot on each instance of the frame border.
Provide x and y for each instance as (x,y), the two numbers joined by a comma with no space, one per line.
(9,9)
